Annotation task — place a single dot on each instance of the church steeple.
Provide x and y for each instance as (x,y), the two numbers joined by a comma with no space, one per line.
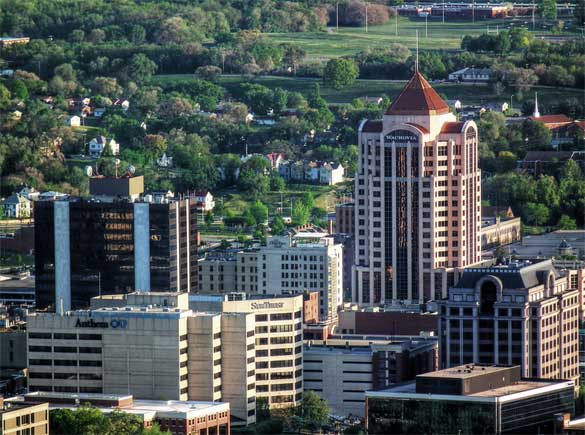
(536,113)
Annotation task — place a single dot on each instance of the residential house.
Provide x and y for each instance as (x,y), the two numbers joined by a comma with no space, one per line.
(312,172)
(537,163)
(98,112)
(456,104)
(496,107)
(16,207)
(51,195)
(73,121)
(29,193)
(165,161)
(275,160)
(6,73)
(124,104)
(204,200)
(98,144)
(331,173)
(372,100)
(158,196)
(471,75)
(264,120)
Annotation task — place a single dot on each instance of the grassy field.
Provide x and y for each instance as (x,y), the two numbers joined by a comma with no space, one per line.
(468,94)
(350,40)
(326,197)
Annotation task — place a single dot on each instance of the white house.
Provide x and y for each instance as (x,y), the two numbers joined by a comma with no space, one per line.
(29,193)
(496,107)
(456,104)
(204,200)
(331,173)
(471,75)
(73,121)
(164,161)
(97,145)
(124,104)
(16,207)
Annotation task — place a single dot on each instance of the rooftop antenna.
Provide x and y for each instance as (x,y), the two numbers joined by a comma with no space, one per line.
(416,62)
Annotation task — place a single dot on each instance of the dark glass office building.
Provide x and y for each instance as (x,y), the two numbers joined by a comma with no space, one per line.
(470,400)
(84,248)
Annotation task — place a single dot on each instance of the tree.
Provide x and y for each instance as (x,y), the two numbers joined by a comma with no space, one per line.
(259,211)
(155,145)
(566,223)
(314,409)
(208,218)
(96,36)
(309,200)
(107,86)
(141,68)
(292,56)
(208,72)
(536,214)
(536,135)
(19,90)
(277,183)
(277,225)
(547,191)
(255,185)
(4,97)
(547,9)
(137,34)
(340,73)
(175,107)
(300,213)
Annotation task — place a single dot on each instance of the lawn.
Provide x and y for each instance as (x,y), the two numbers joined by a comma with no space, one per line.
(467,93)
(350,40)
(325,197)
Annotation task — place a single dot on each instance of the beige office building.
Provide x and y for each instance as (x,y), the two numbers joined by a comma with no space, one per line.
(287,265)
(278,339)
(152,346)
(417,200)
(24,418)
(138,346)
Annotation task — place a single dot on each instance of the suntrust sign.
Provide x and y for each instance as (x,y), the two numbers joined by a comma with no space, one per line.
(266,305)
(115,324)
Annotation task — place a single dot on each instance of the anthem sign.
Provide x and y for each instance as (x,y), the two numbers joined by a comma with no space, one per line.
(115,324)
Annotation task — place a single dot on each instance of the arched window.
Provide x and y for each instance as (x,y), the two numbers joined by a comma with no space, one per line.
(488,296)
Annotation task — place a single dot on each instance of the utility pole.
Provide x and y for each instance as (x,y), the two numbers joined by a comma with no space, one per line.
(366,18)
(397,22)
(533,15)
(337,16)
(426,25)
(443,11)
(473,12)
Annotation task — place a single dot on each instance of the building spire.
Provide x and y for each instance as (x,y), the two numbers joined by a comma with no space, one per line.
(536,113)
(416,62)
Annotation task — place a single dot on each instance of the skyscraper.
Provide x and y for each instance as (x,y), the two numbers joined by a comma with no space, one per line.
(113,242)
(418,200)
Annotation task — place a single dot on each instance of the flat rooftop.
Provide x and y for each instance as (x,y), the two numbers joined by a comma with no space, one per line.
(517,387)
(465,372)
(146,408)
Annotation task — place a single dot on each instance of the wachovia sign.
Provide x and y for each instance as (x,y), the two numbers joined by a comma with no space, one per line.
(115,324)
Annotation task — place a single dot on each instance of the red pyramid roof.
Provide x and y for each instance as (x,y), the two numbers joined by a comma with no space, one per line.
(418,98)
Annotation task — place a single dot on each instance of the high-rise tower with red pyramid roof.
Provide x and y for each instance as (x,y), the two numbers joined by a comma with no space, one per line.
(418,200)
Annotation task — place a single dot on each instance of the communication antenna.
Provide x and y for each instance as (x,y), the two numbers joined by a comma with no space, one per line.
(131,169)
(416,62)
(89,171)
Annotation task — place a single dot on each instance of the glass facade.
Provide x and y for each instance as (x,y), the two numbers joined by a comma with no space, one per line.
(102,256)
(410,416)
